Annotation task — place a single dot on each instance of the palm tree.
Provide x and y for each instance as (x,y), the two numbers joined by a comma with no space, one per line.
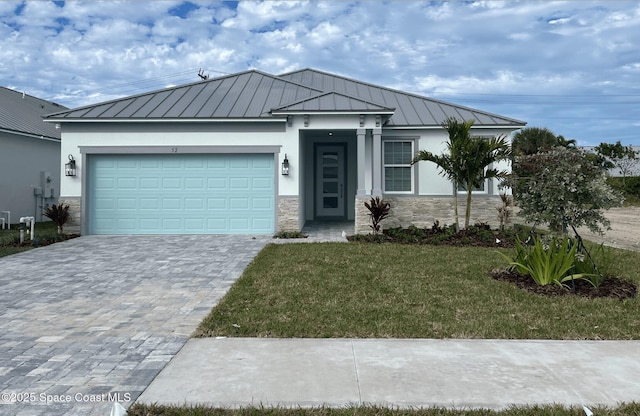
(480,153)
(450,163)
(467,160)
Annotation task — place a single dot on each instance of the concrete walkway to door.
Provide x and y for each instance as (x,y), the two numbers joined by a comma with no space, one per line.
(94,319)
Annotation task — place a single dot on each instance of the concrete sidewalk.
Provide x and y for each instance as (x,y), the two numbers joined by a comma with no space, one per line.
(494,374)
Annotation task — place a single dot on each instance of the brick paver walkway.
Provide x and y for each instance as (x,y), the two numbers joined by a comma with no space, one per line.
(96,318)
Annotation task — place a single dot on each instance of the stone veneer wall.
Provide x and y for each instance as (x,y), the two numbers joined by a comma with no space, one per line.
(73,225)
(423,211)
(288,213)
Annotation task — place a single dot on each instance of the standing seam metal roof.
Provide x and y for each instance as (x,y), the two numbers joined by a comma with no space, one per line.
(411,109)
(254,95)
(23,114)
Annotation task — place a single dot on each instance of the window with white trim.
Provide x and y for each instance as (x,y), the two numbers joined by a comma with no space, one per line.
(398,171)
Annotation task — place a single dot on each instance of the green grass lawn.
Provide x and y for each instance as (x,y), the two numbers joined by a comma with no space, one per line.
(44,231)
(551,410)
(361,290)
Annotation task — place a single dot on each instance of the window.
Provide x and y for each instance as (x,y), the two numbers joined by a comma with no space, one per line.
(398,172)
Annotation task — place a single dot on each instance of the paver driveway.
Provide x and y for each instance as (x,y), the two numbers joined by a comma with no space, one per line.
(98,317)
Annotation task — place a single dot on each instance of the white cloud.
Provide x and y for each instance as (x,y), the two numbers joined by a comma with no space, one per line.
(89,51)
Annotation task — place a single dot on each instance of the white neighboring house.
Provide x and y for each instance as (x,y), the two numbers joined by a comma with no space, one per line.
(29,156)
(257,153)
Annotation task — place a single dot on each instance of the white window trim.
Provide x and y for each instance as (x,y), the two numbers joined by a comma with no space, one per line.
(410,166)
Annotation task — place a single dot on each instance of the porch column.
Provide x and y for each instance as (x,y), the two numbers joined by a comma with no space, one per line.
(360,133)
(376,167)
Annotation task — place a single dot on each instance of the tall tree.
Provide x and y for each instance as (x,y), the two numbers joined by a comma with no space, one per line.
(622,157)
(537,139)
(466,161)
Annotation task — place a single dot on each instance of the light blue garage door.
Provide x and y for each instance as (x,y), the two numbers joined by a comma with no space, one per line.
(181,194)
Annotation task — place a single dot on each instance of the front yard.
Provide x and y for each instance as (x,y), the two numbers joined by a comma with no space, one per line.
(405,291)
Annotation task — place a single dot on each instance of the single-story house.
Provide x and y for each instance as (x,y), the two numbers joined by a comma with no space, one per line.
(256,153)
(29,156)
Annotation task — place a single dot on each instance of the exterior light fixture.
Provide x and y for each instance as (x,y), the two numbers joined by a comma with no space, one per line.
(285,166)
(70,167)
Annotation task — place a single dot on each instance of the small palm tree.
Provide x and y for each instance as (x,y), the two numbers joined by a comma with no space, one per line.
(479,154)
(467,160)
(451,163)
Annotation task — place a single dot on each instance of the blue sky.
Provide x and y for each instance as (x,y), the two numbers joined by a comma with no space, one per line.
(570,66)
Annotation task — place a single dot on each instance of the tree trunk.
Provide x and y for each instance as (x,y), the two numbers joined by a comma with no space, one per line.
(467,214)
(455,205)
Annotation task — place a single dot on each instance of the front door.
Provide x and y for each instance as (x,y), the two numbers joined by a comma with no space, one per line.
(330,181)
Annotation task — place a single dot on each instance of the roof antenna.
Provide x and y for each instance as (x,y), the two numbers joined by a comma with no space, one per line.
(202,75)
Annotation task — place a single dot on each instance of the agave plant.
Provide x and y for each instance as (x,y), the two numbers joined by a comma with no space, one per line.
(548,263)
(58,214)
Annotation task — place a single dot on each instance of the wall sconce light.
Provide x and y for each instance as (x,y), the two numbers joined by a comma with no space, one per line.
(285,166)
(70,167)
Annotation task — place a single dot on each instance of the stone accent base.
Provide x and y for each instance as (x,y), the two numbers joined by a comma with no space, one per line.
(288,213)
(73,225)
(423,211)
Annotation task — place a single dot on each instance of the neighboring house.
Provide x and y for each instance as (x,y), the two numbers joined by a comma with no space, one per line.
(258,153)
(29,156)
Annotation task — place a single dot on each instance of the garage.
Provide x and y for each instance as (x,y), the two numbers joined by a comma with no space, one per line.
(180,194)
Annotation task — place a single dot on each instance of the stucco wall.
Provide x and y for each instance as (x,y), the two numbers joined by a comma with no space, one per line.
(423,211)
(22,159)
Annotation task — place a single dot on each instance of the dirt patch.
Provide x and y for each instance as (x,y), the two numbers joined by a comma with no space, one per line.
(624,232)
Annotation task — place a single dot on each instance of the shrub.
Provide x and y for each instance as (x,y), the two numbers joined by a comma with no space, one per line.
(290,234)
(505,210)
(59,214)
(552,262)
(562,187)
(378,211)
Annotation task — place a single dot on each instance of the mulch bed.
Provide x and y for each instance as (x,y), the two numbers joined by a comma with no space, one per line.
(613,287)
(478,235)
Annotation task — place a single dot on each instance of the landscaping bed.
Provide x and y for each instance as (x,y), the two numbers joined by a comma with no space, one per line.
(612,287)
(478,235)
(46,233)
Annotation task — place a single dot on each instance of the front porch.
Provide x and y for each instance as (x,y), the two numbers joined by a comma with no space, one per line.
(335,167)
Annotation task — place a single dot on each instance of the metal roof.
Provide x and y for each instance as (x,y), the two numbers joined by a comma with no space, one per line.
(257,95)
(333,102)
(22,114)
(411,109)
(246,95)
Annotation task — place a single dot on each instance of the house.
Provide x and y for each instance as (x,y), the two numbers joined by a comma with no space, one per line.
(29,156)
(258,153)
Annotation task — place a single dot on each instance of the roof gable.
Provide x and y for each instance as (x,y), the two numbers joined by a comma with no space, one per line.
(22,113)
(411,109)
(332,102)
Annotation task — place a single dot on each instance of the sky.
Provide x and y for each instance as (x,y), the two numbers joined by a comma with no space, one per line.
(570,66)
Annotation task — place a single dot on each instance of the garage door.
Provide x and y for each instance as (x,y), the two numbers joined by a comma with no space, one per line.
(181,194)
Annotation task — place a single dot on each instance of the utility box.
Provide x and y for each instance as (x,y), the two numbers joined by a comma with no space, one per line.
(46,181)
